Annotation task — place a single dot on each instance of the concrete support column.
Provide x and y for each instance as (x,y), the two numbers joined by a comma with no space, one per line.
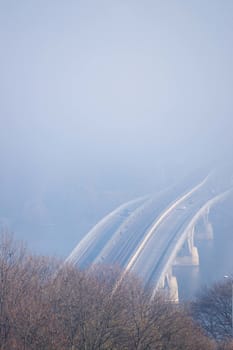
(204,227)
(208,228)
(170,286)
(188,255)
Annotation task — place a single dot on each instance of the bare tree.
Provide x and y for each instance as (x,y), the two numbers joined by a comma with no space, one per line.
(212,309)
(159,324)
(12,257)
(32,314)
(46,307)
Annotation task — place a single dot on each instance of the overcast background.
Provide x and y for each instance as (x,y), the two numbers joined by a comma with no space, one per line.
(101,101)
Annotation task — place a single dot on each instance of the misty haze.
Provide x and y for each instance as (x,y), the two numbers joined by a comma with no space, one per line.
(103,102)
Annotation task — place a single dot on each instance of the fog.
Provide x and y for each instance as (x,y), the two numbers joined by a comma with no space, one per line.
(102,101)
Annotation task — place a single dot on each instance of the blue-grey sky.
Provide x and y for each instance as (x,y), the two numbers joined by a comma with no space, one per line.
(101,100)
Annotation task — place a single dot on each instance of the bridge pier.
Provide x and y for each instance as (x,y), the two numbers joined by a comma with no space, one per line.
(204,228)
(188,255)
(170,286)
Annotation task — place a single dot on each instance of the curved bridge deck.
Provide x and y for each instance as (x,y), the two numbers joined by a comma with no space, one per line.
(145,235)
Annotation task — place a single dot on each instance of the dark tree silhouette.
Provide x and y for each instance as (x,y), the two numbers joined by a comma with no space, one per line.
(44,306)
(213,310)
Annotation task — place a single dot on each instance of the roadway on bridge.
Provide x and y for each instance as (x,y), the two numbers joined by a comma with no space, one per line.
(141,235)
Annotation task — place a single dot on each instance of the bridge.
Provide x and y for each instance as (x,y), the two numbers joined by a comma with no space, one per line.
(151,234)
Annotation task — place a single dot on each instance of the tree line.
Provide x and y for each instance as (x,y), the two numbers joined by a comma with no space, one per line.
(45,305)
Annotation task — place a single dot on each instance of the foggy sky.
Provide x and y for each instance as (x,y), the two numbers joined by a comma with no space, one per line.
(108,97)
